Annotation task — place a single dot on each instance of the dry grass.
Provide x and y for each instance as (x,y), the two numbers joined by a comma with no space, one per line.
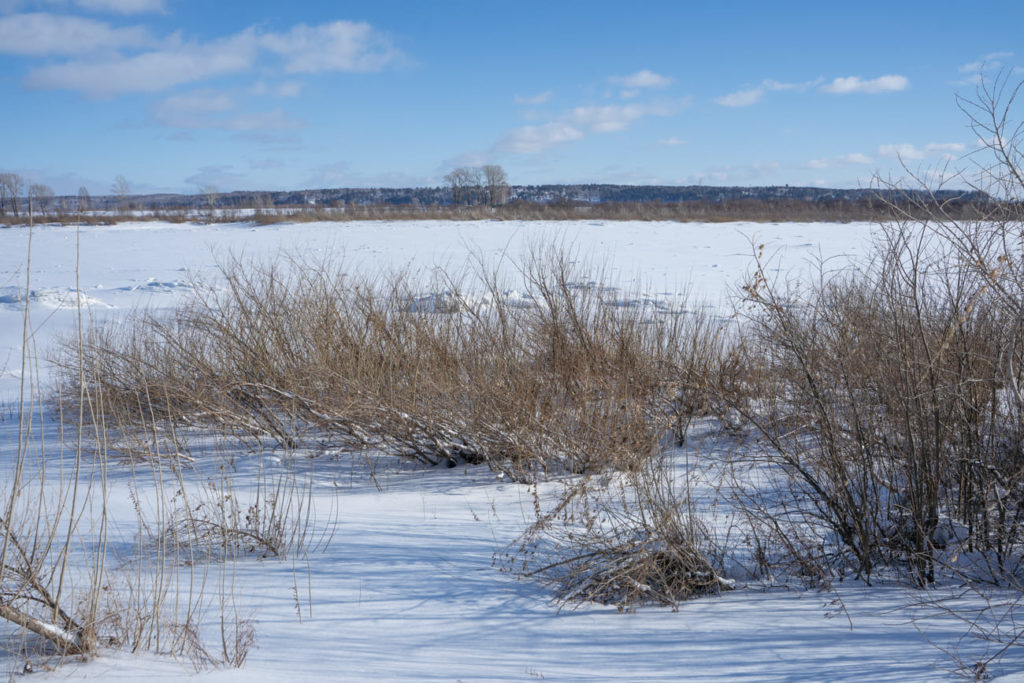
(60,576)
(560,380)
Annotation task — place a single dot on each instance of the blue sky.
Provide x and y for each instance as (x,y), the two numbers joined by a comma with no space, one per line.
(179,94)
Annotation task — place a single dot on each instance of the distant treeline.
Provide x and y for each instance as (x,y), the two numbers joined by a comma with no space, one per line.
(527,202)
(757,210)
(518,194)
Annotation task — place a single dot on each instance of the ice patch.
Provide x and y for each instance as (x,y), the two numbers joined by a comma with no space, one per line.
(14,298)
(154,285)
(449,302)
(463,302)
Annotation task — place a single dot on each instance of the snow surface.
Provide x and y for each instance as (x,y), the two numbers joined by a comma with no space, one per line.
(406,588)
(152,264)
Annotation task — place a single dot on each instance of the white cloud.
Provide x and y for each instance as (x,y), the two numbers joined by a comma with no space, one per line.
(539,98)
(611,118)
(779,86)
(948,147)
(150,71)
(671,142)
(39,33)
(337,46)
(577,123)
(741,98)
(991,142)
(854,84)
(207,109)
(745,98)
(534,139)
(110,6)
(905,151)
(644,78)
(855,158)
(122,6)
(993,60)
(842,159)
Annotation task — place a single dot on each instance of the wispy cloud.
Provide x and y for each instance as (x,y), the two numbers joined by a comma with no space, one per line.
(42,34)
(993,60)
(208,109)
(634,84)
(644,78)
(284,89)
(671,142)
(150,71)
(903,151)
(535,139)
(855,84)
(217,177)
(855,158)
(337,46)
(122,6)
(746,98)
(611,118)
(534,100)
(577,123)
(741,98)
(909,152)
(947,147)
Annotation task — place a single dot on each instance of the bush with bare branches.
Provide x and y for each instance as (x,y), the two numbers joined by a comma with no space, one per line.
(624,539)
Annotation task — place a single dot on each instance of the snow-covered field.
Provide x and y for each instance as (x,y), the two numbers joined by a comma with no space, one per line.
(406,588)
(152,264)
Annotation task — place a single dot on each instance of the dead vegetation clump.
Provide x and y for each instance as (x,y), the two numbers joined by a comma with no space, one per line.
(565,377)
(625,540)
